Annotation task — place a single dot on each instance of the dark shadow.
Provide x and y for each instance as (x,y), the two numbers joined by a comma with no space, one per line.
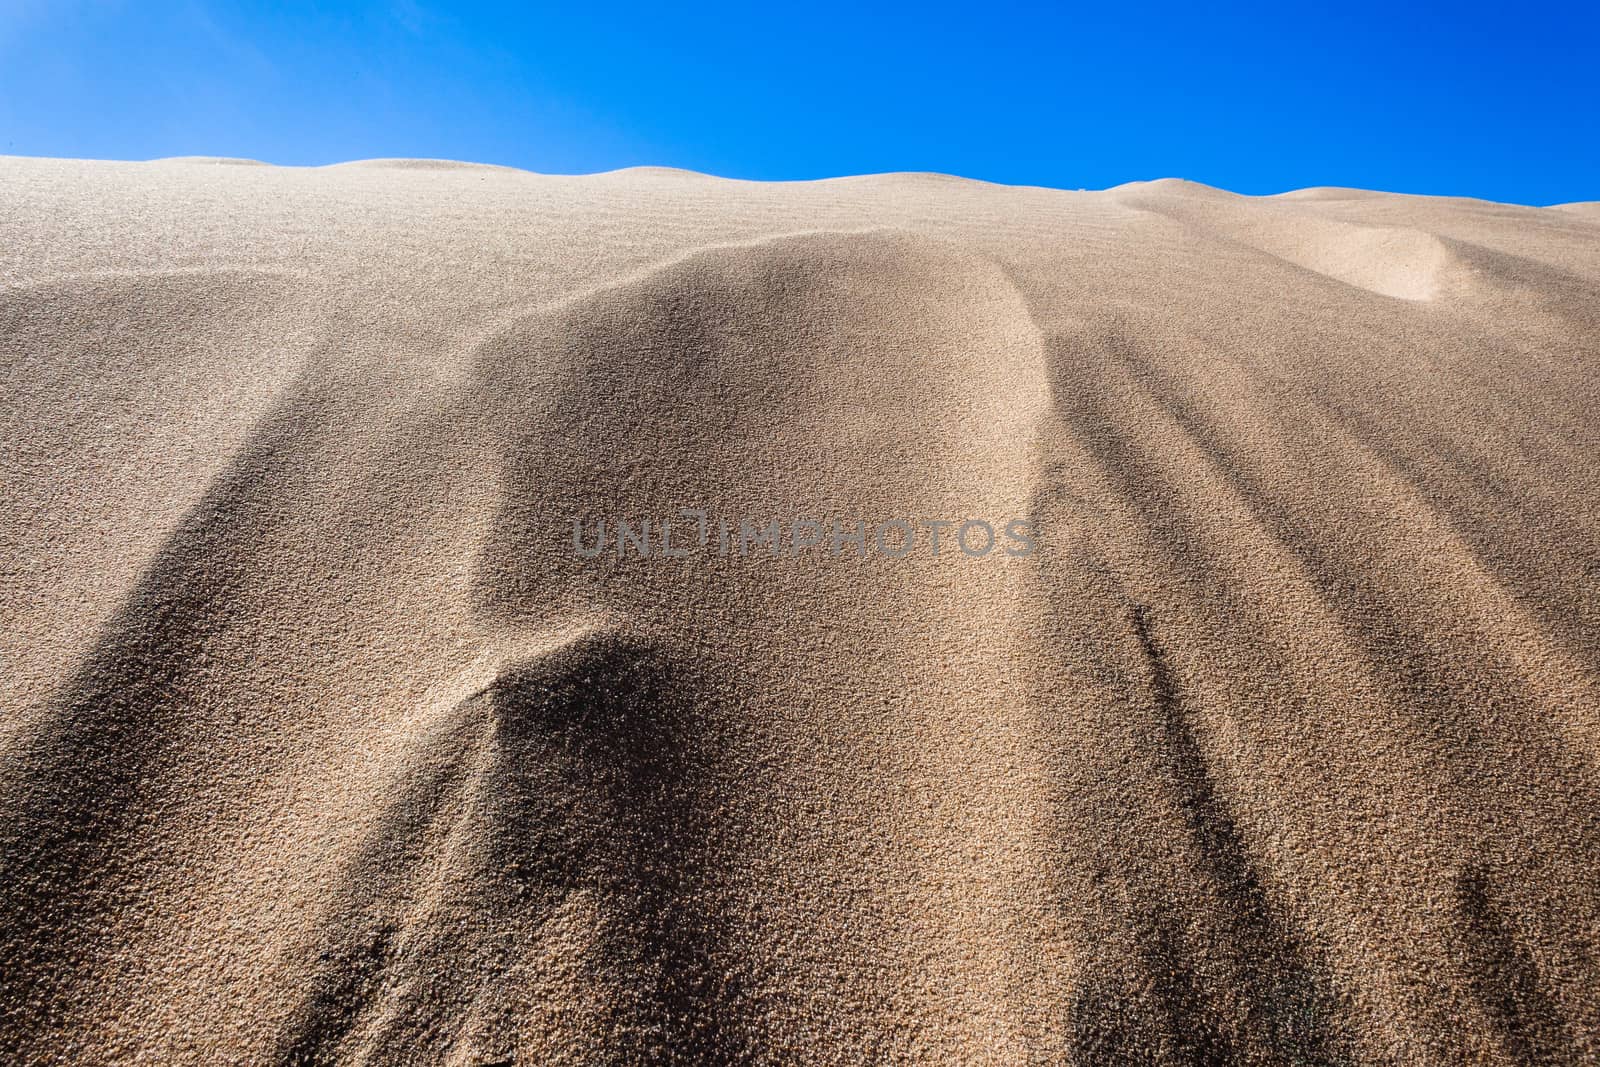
(1290,1012)
(75,822)
(1505,980)
(581,776)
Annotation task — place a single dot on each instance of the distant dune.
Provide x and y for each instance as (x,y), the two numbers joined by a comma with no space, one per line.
(332,731)
(426,164)
(223,161)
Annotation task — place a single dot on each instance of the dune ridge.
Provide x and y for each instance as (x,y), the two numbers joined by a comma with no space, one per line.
(320,744)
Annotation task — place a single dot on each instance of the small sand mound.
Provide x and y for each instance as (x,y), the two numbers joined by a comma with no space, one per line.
(421,164)
(1181,187)
(216,161)
(913,177)
(1328,192)
(1392,261)
(654,172)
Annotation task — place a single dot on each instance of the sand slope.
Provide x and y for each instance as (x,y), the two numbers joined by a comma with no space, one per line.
(318,743)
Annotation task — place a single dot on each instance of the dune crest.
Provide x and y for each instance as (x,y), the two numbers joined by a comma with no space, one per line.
(399,667)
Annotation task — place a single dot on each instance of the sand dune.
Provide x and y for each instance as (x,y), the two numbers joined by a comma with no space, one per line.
(321,742)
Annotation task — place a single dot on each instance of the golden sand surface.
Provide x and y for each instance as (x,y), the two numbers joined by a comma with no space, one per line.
(321,742)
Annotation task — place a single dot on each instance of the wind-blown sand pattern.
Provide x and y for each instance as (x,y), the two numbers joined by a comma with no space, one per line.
(320,744)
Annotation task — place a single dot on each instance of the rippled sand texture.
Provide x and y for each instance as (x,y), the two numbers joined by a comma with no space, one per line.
(319,744)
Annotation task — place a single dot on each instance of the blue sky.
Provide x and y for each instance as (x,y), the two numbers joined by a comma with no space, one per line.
(1470,99)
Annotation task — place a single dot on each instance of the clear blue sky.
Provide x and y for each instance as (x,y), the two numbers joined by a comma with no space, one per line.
(1497,101)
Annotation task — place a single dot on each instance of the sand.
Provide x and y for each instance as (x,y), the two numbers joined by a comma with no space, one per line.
(320,743)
